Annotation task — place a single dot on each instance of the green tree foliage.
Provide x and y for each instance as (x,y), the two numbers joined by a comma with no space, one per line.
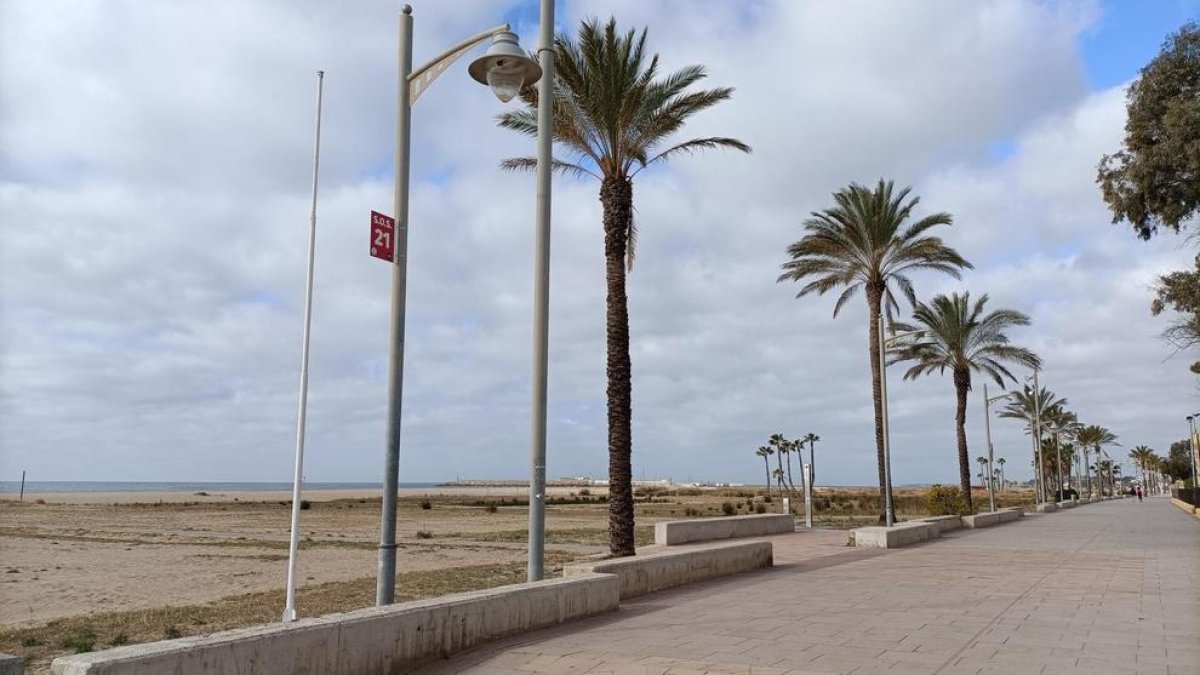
(1153,181)
(1178,463)
(866,242)
(952,333)
(616,114)
(1180,291)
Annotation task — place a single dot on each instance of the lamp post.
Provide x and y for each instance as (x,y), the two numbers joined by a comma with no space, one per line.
(505,69)
(1036,433)
(987,427)
(889,512)
(1192,452)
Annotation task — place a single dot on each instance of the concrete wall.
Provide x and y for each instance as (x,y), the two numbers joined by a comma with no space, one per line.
(1048,507)
(640,575)
(390,639)
(990,518)
(11,665)
(944,523)
(675,532)
(900,534)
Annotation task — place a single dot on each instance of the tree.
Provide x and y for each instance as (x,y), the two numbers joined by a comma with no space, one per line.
(1154,179)
(1180,291)
(866,243)
(982,470)
(765,452)
(1094,438)
(1030,405)
(1003,481)
(954,334)
(1142,456)
(1062,422)
(1178,462)
(811,439)
(782,448)
(613,112)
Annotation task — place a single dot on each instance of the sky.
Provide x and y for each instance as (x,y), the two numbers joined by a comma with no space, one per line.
(155,175)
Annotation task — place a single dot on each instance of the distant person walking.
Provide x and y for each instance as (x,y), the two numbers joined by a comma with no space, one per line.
(1139,493)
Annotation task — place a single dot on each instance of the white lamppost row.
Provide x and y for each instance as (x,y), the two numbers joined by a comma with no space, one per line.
(987,426)
(506,69)
(1036,434)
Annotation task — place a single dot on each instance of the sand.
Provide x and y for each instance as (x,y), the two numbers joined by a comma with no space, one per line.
(80,553)
(272,495)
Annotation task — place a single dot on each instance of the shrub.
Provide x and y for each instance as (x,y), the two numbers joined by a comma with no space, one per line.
(491,508)
(585,492)
(305,505)
(727,508)
(946,500)
(760,508)
(767,499)
(79,641)
(120,639)
(691,512)
(172,632)
(424,534)
(426,505)
(30,642)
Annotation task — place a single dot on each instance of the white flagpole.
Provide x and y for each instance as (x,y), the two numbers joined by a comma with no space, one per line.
(289,609)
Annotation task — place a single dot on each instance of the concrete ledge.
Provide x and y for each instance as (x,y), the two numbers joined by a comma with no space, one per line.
(675,532)
(390,639)
(900,534)
(640,575)
(11,665)
(1066,505)
(1048,507)
(990,518)
(1177,502)
(944,523)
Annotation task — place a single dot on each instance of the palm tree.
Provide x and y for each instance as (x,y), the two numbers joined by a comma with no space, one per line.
(765,452)
(782,448)
(1003,481)
(1094,438)
(811,439)
(778,473)
(614,113)
(982,469)
(957,335)
(1030,405)
(1141,456)
(863,244)
(1062,422)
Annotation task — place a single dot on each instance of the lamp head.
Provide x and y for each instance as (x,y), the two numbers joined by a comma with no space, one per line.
(504,67)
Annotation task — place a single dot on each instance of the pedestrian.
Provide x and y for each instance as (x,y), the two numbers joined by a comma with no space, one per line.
(1139,493)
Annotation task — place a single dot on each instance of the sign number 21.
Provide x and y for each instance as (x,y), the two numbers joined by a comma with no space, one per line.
(383,236)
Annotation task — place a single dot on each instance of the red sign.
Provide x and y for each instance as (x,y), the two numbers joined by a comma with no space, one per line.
(383,236)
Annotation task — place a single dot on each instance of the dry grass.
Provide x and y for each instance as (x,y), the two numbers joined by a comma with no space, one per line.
(41,644)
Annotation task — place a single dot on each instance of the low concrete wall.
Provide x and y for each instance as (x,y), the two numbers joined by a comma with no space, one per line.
(1177,502)
(675,532)
(990,518)
(389,639)
(640,574)
(11,665)
(1048,507)
(900,534)
(944,523)
(1066,505)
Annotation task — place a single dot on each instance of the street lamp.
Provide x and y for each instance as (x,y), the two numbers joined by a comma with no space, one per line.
(1192,452)
(505,69)
(1036,434)
(889,512)
(987,426)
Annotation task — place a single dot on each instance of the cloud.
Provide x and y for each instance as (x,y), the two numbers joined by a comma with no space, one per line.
(154,184)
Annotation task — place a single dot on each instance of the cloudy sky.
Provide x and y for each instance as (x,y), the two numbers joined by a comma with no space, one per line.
(155,162)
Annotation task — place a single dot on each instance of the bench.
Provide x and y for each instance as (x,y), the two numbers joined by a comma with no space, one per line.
(675,532)
(642,574)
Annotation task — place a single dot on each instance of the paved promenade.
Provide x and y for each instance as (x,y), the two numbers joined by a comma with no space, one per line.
(1105,588)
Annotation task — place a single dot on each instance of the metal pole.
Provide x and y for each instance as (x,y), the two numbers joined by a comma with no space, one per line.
(807,469)
(1058,464)
(987,427)
(541,297)
(385,585)
(1191,446)
(889,513)
(289,605)
(22,497)
(1037,438)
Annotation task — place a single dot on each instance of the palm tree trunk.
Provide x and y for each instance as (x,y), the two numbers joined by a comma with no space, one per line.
(791,483)
(616,198)
(962,383)
(767,466)
(874,298)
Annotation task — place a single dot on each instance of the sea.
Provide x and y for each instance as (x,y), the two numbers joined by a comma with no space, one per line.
(36,486)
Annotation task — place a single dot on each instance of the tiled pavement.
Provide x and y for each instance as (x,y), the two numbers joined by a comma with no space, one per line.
(1105,588)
